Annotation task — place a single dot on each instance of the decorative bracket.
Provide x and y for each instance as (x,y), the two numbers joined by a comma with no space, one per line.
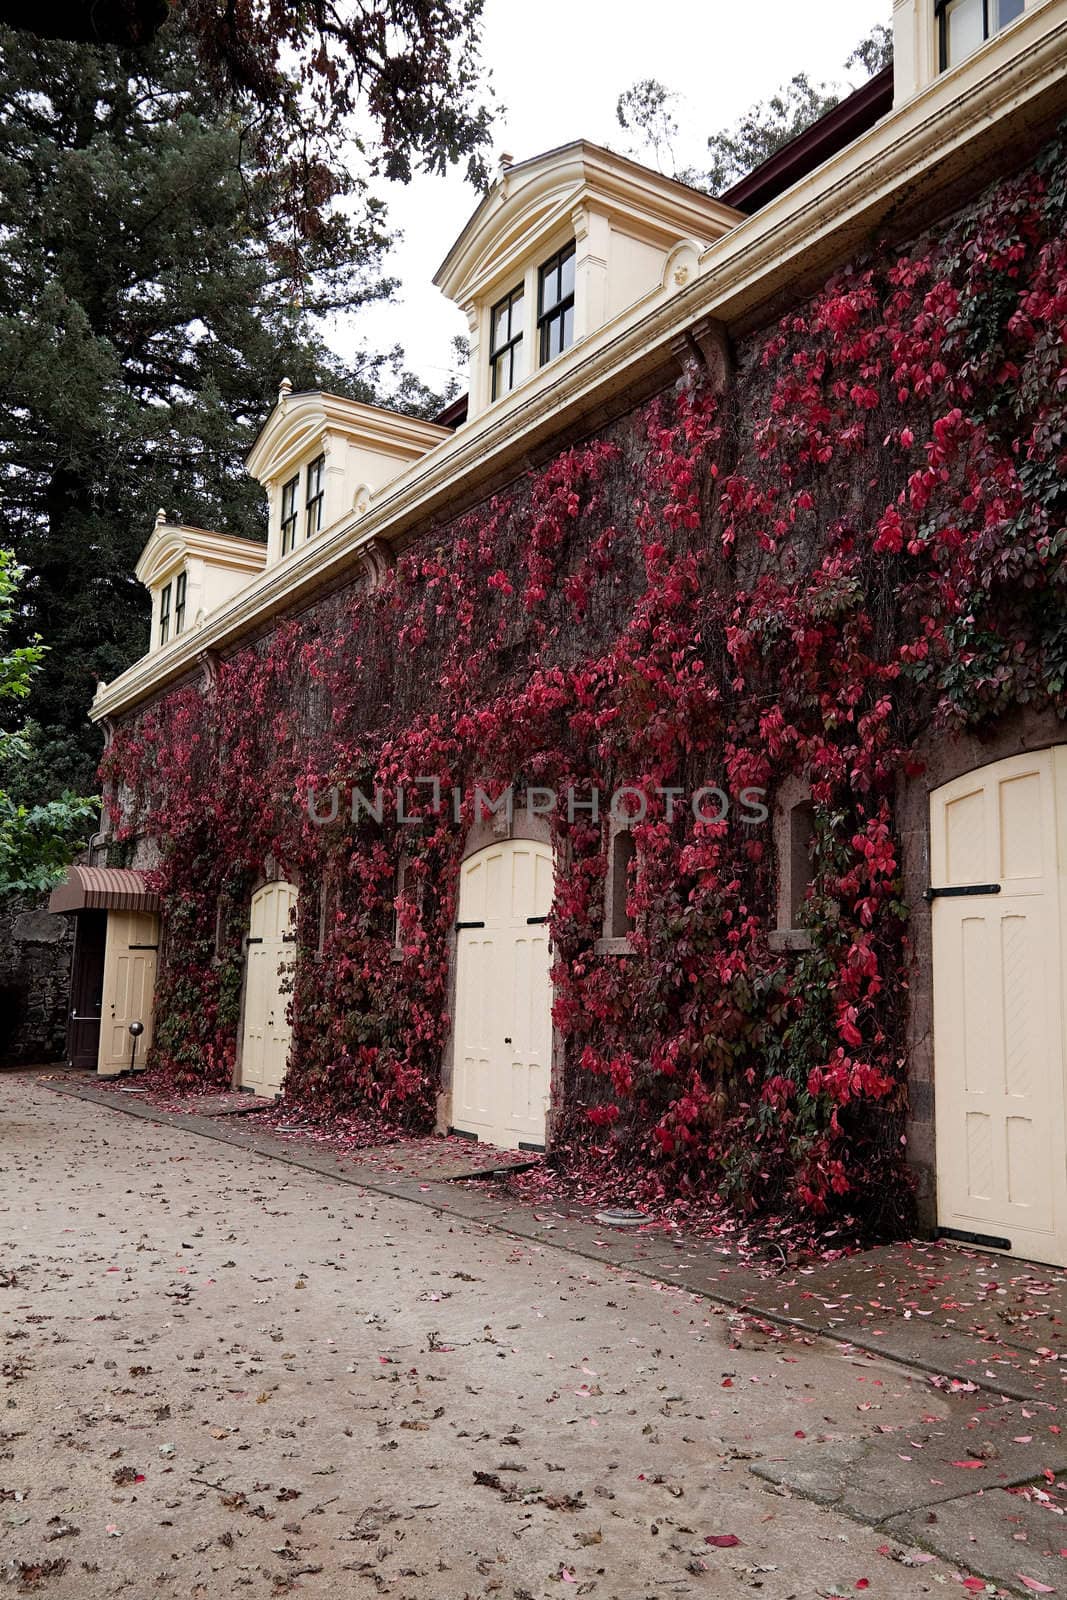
(706,345)
(376,560)
(208,662)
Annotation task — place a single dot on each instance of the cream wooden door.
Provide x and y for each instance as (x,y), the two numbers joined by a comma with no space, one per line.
(271,945)
(130,957)
(998,959)
(503,1030)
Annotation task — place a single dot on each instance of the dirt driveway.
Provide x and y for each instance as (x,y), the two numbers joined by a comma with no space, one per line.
(221,1375)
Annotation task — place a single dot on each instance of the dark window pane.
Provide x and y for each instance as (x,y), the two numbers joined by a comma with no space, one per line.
(1007,11)
(568,327)
(567,275)
(965,29)
(289,514)
(502,375)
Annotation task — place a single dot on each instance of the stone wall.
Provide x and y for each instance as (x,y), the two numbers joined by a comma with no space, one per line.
(36,948)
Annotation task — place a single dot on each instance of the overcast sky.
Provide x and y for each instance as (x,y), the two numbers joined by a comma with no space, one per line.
(558,67)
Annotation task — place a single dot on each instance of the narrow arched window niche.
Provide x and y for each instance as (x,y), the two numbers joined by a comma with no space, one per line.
(794,848)
(622,867)
(408,888)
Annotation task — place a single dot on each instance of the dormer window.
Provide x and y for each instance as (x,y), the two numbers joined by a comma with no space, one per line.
(172,608)
(963,25)
(313,499)
(506,352)
(289,514)
(555,304)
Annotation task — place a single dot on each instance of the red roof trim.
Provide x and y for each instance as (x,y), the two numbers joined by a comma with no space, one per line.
(838,128)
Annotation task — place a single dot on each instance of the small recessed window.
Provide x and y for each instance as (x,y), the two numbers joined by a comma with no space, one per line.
(801,845)
(164,614)
(555,304)
(623,856)
(507,355)
(313,501)
(963,25)
(179,604)
(289,514)
(327,917)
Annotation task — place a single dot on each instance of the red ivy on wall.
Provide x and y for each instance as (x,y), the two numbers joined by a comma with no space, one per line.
(861,540)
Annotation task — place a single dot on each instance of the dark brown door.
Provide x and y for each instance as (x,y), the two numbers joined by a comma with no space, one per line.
(86,989)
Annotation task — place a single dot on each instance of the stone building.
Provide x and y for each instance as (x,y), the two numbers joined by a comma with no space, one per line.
(660,756)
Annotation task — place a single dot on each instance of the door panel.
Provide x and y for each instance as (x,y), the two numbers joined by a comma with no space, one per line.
(503,1032)
(129,987)
(998,979)
(86,989)
(271,946)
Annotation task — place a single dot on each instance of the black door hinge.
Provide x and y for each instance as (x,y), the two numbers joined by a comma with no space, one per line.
(956,891)
(531,921)
(461,925)
(987,1241)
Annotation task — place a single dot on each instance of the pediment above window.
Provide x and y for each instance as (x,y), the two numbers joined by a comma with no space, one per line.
(172,545)
(560,248)
(301,424)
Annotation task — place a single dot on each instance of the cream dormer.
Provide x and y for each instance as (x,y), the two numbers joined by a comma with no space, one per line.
(190,572)
(323,459)
(933,36)
(560,247)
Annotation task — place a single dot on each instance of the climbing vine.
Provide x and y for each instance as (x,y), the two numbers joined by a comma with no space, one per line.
(860,540)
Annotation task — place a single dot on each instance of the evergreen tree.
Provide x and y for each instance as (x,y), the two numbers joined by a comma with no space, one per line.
(36,841)
(148,311)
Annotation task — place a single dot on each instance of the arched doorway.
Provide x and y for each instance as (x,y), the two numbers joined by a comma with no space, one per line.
(998,851)
(502,1060)
(270,946)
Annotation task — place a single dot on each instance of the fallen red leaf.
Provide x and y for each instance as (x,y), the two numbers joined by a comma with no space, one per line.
(722,1541)
(1034,1585)
(973,1465)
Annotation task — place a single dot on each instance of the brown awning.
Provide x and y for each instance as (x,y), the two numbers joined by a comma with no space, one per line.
(103,889)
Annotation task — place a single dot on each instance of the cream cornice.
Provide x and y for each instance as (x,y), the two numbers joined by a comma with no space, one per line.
(299,422)
(928,144)
(171,544)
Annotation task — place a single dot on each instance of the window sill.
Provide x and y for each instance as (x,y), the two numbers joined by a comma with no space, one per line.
(614,947)
(798,939)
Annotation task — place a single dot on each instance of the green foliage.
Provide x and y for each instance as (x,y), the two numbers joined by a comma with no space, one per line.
(324,93)
(36,841)
(765,129)
(148,311)
(648,111)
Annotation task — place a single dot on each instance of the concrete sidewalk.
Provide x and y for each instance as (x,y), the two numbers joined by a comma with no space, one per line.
(984,1332)
(943,1309)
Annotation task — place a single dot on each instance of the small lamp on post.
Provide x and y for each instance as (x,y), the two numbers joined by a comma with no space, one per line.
(136,1030)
